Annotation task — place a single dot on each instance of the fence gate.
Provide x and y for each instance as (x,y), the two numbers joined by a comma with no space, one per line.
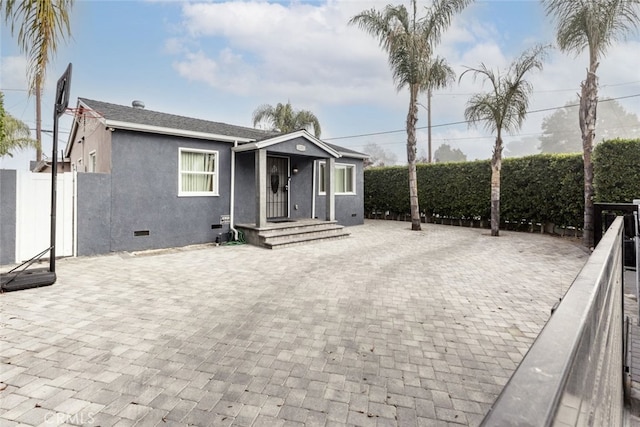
(33,214)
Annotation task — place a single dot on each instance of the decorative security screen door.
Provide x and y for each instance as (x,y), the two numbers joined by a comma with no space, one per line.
(277,187)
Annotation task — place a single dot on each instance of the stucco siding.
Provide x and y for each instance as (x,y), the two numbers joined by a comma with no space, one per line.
(349,207)
(294,146)
(301,188)
(146,209)
(93,214)
(245,192)
(97,139)
(8,215)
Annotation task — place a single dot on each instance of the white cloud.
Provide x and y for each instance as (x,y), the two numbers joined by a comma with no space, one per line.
(14,72)
(302,51)
(307,53)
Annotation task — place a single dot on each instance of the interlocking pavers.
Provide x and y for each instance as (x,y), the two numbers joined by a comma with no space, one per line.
(387,328)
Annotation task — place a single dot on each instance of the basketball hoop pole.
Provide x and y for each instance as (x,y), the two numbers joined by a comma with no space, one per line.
(62,101)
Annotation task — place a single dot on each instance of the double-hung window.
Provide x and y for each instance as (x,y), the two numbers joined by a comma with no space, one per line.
(92,161)
(198,172)
(344,178)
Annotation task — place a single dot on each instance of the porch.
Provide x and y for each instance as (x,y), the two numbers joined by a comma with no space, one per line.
(282,233)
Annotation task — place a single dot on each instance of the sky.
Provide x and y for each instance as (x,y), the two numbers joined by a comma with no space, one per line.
(220,60)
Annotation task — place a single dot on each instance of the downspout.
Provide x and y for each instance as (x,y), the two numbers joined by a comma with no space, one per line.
(313,190)
(232,197)
(75,211)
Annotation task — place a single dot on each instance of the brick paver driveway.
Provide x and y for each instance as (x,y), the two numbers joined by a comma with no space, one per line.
(386,327)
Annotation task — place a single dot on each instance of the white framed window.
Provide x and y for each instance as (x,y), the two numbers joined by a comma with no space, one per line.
(92,161)
(344,178)
(197,172)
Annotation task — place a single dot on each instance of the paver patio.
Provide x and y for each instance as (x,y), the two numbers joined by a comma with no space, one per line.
(387,327)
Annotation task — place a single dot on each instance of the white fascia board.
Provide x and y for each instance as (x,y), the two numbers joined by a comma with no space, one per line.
(245,147)
(70,138)
(286,137)
(354,156)
(175,132)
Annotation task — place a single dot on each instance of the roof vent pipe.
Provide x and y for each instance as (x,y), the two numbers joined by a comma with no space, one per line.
(137,104)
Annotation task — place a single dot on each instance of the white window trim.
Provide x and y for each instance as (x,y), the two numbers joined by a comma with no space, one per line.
(93,165)
(338,165)
(215,192)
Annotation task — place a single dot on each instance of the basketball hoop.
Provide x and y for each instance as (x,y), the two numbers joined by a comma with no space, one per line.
(82,111)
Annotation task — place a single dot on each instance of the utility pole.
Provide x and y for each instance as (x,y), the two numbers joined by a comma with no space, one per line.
(429,125)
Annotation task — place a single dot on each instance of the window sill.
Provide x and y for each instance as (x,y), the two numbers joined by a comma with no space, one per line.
(198,194)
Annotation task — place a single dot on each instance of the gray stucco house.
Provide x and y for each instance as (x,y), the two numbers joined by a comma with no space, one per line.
(150,180)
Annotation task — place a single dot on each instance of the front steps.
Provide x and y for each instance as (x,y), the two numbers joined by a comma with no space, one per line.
(283,234)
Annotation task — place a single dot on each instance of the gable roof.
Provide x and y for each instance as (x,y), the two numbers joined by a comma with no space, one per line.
(140,119)
(277,139)
(346,152)
(120,116)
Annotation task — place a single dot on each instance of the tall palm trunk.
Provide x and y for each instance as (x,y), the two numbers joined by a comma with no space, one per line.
(412,119)
(588,105)
(429,125)
(496,167)
(38,90)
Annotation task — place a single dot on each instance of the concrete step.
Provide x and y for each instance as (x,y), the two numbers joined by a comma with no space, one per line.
(285,233)
(306,238)
(297,227)
(296,234)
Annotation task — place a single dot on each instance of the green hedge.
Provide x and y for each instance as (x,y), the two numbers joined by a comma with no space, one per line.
(616,166)
(545,188)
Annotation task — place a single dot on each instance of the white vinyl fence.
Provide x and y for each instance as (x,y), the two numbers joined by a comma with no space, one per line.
(33,214)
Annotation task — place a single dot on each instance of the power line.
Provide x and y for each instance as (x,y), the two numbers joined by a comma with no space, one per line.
(538,91)
(466,121)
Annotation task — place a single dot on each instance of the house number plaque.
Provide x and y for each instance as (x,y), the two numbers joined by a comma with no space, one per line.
(301,147)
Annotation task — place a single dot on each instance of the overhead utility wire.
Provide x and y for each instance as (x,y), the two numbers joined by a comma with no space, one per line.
(466,121)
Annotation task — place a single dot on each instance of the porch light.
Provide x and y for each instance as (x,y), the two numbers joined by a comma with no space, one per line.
(295,170)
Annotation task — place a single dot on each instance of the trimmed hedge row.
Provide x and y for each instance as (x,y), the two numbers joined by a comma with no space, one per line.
(544,188)
(616,176)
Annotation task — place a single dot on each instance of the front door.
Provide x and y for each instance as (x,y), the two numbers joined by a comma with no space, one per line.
(277,187)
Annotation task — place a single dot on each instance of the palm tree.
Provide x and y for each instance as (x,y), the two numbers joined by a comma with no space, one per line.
(284,118)
(593,25)
(39,24)
(502,109)
(409,42)
(440,75)
(14,134)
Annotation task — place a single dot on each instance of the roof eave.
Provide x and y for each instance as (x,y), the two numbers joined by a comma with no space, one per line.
(116,124)
(285,137)
(74,127)
(354,155)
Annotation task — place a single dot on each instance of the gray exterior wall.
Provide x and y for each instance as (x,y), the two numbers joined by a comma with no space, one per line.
(290,147)
(96,139)
(144,195)
(94,213)
(349,208)
(137,207)
(245,189)
(8,180)
(301,194)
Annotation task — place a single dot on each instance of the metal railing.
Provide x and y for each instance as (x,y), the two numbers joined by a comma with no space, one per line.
(573,372)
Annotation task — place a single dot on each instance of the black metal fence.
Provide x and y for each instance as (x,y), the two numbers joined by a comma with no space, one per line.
(573,373)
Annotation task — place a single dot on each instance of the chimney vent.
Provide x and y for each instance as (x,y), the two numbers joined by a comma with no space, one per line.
(137,104)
